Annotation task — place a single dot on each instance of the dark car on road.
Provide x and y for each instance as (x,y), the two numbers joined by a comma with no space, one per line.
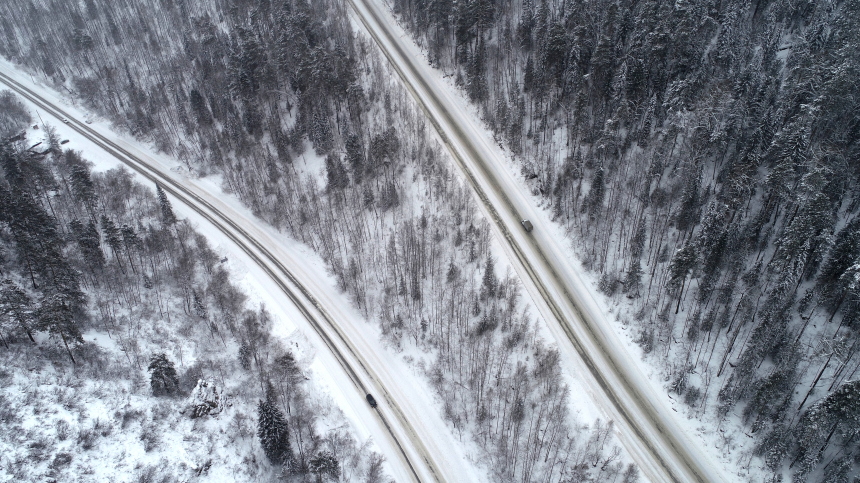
(371,400)
(527,225)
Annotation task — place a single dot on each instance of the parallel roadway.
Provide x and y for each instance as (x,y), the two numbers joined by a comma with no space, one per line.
(647,428)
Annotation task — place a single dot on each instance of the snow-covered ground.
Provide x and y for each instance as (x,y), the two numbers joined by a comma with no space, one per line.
(546,247)
(453,458)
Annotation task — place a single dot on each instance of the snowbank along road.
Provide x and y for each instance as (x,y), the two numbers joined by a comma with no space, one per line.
(647,427)
(415,459)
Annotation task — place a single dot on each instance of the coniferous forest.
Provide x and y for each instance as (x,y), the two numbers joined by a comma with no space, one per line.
(702,156)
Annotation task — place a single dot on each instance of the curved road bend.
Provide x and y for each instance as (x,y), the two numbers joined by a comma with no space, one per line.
(649,430)
(420,464)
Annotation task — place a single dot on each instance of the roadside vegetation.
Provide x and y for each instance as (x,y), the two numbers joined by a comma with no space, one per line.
(126,352)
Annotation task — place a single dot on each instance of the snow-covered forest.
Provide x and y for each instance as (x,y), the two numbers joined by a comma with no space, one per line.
(301,117)
(127,353)
(703,158)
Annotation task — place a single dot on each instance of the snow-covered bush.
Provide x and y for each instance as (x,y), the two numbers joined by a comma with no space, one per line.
(205,400)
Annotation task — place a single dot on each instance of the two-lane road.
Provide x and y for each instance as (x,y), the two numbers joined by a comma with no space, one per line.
(647,427)
(412,449)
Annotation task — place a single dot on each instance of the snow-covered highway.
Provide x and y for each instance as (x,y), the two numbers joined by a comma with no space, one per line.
(405,426)
(647,425)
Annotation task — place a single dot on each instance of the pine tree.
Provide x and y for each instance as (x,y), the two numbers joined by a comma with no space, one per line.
(821,422)
(476,75)
(167,216)
(489,282)
(325,465)
(89,243)
(199,306)
(163,378)
(843,255)
(594,201)
(526,25)
(82,185)
(273,432)
(131,242)
(113,237)
(681,264)
(633,279)
(844,407)
(335,173)
(453,273)
(56,315)
(245,356)
(528,75)
(16,308)
(199,108)
(33,229)
(320,134)
(355,156)
(556,50)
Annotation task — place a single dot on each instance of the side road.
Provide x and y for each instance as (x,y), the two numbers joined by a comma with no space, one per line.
(412,440)
(647,427)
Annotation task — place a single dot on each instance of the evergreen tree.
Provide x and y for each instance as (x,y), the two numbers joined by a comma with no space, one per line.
(335,173)
(82,185)
(683,261)
(163,379)
(131,242)
(113,237)
(167,216)
(489,282)
(594,201)
(273,432)
(355,156)
(33,229)
(453,273)
(16,308)
(843,255)
(325,465)
(821,422)
(633,279)
(199,108)
(56,315)
(320,134)
(526,26)
(89,242)
(476,75)
(199,305)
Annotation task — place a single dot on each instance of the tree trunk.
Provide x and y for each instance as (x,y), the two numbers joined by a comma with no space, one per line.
(67,348)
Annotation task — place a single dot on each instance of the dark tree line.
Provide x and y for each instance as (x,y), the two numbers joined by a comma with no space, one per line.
(311,130)
(59,304)
(703,157)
